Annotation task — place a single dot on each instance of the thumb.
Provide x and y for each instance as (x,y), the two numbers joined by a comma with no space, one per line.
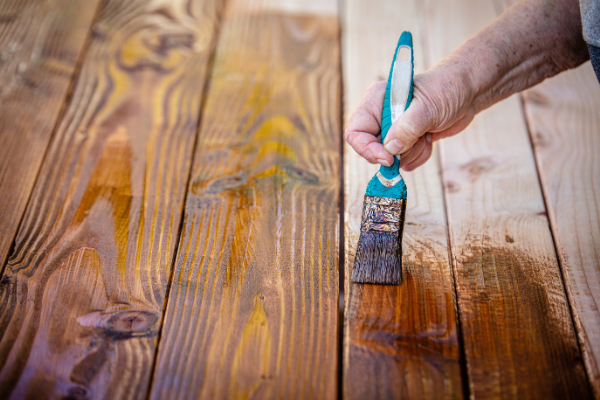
(404,133)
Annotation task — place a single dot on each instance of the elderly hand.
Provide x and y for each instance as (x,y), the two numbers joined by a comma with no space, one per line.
(442,106)
(533,40)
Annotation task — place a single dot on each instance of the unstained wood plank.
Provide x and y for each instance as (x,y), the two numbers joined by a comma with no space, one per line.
(40,44)
(515,319)
(564,123)
(82,296)
(253,307)
(399,341)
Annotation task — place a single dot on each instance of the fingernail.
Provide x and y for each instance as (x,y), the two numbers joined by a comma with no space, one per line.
(428,138)
(383,162)
(394,147)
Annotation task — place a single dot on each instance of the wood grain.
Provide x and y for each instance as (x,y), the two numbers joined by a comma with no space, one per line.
(517,329)
(253,308)
(564,124)
(399,341)
(40,44)
(82,297)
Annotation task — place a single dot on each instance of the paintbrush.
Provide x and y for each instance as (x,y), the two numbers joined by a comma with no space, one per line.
(379,251)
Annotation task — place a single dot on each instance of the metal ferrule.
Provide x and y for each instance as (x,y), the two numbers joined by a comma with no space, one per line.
(388,182)
(383,214)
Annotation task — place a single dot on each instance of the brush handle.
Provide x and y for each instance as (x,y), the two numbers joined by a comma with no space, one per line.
(399,91)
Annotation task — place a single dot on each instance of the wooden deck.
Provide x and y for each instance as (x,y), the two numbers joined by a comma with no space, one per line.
(179,214)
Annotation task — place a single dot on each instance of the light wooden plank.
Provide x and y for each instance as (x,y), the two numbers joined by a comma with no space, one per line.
(40,44)
(564,124)
(517,328)
(253,309)
(399,341)
(83,293)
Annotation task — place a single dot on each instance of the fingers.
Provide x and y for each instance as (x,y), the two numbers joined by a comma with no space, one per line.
(423,157)
(414,152)
(411,126)
(365,124)
(368,146)
(441,107)
(367,117)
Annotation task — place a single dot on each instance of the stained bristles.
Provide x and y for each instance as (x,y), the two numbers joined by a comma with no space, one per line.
(378,258)
(379,251)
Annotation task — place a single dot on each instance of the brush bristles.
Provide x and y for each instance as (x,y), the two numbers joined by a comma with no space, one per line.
(379,252)
(378,259)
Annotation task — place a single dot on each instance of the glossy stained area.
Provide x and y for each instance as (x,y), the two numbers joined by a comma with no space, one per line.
(84,288)
(176,201)
(255,295)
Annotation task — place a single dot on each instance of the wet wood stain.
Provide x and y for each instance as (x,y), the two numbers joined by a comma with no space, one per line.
(254,299)
(83,293)
(40,45)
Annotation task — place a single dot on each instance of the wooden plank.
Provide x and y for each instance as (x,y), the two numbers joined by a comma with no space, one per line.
(83,293)
(253,308)
(40,44)
(399,341)
(564,124)
(515,320)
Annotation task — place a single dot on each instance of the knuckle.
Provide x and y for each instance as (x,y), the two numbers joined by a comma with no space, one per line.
(410,132)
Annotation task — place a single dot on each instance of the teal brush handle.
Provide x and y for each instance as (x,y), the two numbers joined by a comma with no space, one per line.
(386,115)
(388,182)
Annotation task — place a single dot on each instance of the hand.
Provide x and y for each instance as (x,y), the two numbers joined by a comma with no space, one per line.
(441,107)
(531,41)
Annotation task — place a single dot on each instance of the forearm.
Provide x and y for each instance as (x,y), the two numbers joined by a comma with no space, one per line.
(531,41)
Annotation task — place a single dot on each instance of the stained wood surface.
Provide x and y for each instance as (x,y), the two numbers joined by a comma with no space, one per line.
(517,328)
(82,296)
(234,202)
(399,341)
(40,44)
(564,124)
(253,308)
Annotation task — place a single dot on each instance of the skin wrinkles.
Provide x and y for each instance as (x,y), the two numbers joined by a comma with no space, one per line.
(531,41)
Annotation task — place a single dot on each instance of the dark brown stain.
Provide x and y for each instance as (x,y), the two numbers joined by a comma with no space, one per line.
(403,339)
(509,239)
(517,329)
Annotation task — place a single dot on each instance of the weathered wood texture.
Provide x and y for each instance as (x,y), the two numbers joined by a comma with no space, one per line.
(515,319)
(40,44)
(83,292)
(564,123)
(253,307)
(399,341)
